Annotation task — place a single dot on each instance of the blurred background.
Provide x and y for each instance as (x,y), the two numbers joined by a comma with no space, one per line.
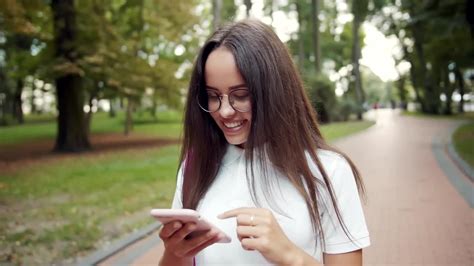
(92,91)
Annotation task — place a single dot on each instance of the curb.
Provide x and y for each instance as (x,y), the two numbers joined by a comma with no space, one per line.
(117,246)
(440,147)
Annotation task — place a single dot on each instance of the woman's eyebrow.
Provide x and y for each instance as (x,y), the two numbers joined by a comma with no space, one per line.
(237,86)
(230,88)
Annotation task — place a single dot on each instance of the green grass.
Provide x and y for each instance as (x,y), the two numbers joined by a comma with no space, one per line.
(466,115)
(337,130)
(43,127)
(463,140)
(75,204)
(55,211)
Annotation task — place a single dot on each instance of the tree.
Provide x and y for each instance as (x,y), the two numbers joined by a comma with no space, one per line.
(315,33)
(72,134)
(216,11)
(434,36)
(313,36)
(21,26)
(359,10)
(248,6)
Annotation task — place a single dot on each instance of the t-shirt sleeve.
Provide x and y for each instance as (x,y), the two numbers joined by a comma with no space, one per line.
(350,208)
(177,199)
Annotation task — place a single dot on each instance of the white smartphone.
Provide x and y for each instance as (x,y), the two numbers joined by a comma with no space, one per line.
(188,215)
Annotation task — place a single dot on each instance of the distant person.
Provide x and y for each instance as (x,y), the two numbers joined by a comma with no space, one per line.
(254,163)
(376,105)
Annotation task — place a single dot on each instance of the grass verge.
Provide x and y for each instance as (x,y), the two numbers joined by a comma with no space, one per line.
(167,125)
(466,115)
(463,140)
(338,130)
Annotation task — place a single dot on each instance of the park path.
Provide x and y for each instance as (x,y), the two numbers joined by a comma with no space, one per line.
(414,213)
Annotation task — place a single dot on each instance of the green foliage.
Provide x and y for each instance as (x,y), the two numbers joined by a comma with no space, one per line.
(321,93)
(346,107)
(123,48)
(360,9)
(435,40)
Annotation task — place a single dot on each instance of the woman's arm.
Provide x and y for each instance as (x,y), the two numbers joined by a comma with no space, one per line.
(353,258)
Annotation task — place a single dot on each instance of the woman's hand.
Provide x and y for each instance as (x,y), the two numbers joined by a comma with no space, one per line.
(180,249)
(258,229)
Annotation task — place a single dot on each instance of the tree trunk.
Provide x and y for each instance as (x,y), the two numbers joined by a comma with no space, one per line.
(17,102)
(72,134)
(448,90)
(92,96)
(413,77)
(315,32)
(431,97)
(33,97)
(112,110)
(216,11)
(248,6)
(300,36)
(355,64)
(402,92)
(72,131)
(460,80)
(407,57)
(154,105)
(128,118)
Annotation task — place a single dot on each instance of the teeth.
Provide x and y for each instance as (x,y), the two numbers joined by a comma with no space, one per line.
(234,124)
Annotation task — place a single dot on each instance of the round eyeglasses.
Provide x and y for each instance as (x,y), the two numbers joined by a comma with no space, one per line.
(211,101)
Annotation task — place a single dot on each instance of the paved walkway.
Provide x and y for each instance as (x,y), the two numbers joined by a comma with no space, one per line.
(415,214)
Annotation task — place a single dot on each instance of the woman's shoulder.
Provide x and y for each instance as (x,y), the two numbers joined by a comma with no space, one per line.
(330,160)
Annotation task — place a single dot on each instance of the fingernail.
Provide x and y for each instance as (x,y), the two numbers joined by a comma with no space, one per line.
(177,225)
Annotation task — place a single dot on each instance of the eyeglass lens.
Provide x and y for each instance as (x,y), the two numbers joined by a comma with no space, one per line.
(211,101)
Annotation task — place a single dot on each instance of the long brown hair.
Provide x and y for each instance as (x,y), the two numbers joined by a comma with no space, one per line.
(284,126)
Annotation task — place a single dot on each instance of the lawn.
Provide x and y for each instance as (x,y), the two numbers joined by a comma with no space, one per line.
(54,212)
(465,115)
(82,203)
(168,125)
(463,140)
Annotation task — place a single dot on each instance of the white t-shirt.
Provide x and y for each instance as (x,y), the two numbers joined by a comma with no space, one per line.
(230,190)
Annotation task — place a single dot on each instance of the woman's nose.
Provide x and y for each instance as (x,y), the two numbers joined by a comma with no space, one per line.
(226,109)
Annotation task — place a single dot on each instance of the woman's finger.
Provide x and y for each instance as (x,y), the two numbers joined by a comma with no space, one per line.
(169,229)
(183,232)
(250,243)
(248,232)
(248,219)
(202,246)
(200,242)
(236,212)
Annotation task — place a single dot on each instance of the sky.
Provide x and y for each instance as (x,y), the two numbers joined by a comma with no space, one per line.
(377,53)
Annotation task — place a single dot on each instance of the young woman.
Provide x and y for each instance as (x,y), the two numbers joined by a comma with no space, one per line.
(254,163)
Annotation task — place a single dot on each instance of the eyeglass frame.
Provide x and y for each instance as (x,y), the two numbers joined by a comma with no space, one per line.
(221,97)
